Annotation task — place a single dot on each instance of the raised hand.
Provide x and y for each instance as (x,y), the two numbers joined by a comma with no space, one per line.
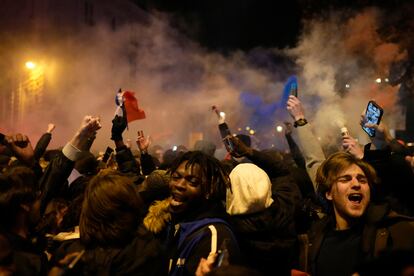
(238,149)
(143,142)
(89,126)
(86,132)
(382,131)
(119,124)
(206,265)
(295,109)
(351,145)
(21,146)
(50,127)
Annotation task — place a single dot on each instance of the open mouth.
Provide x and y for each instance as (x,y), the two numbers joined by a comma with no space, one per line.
(177,200)
(356,198)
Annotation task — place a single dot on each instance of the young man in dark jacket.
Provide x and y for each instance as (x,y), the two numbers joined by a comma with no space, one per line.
(355,230)
(195,213)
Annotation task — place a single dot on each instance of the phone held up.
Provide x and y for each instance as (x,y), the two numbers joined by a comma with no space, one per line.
(224,132)
(291,86)
(107,154)
(373,115)
(294,89)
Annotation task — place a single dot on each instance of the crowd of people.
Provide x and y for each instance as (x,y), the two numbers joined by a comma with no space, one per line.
(344,210)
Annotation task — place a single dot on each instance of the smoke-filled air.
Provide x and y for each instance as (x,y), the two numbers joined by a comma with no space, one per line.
(337,61)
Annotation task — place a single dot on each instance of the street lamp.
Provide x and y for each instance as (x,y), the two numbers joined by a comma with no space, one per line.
(30,65)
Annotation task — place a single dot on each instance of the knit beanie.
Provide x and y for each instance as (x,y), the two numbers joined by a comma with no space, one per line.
(156,186)
(251,190)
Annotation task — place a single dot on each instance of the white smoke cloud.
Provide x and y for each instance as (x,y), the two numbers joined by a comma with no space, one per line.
(177,81)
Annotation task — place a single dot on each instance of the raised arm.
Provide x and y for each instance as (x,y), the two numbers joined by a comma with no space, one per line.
(43,142)
(307,142)
(143,143)
(62,165)
(124,157)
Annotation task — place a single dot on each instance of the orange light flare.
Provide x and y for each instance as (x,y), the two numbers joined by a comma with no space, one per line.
(30,65)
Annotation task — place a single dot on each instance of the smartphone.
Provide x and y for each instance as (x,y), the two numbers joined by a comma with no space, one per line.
(373,115)
(225,132)
(228,144)
(108,152)
(223,254)
(294,89)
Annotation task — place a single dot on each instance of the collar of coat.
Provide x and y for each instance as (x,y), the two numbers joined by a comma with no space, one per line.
(158,216)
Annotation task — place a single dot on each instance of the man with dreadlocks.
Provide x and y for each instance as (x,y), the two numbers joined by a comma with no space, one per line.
(195,213)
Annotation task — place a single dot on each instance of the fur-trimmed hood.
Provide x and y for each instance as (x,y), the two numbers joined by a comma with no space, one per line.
(158,216)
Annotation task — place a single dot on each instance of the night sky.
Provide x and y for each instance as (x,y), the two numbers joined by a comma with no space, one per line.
(245,24)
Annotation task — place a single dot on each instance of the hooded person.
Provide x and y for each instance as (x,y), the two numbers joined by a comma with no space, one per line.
(263,224)
(251,190)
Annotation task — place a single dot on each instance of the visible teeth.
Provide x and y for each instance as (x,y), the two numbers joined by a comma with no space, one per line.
(175,202)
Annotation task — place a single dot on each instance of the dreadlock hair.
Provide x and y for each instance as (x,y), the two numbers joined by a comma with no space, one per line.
(215,179)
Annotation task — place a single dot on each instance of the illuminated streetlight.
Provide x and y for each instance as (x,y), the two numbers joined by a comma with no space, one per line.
(279,128)
(347,85)
(386,80)
(247,128)
(222,114)
(30,65)
(378,80)
(252,132)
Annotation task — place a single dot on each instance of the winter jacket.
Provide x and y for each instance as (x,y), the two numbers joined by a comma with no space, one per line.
(267,238)
(311,150)
(143,255)
(41,145)
(193,237)
(27,256)
(54,178)
(383,230)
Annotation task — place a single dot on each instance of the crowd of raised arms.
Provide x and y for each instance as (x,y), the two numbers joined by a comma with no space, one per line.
(313,211)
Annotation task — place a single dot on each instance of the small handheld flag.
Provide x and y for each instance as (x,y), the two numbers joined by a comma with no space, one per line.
(133,112)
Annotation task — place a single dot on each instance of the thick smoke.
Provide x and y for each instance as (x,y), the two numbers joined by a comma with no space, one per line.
(177,81)
(341,58)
